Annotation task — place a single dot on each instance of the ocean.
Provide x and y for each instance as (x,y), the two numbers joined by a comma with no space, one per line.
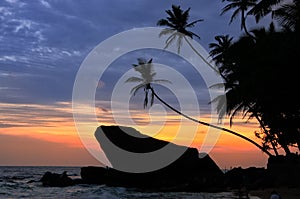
(23,182)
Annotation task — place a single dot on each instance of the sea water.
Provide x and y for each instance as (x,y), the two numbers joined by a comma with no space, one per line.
(23,182)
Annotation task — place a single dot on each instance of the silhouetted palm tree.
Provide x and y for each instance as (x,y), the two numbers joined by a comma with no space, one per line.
(178,21)
(147,77)
(177,25)
(241,6)
(219,48)
(145,69)
(235,104)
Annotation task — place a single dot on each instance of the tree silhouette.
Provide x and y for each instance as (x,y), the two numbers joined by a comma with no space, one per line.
(219,49)
(177,25)
(147,77)
(178,21)
(241,6)
(263,8)
(257,75)
(145,69)
(234,97)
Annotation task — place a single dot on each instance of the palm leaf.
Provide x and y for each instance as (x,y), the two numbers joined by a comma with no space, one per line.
(135,89)
(162,81)
(166,31)
(192,24)
(134,79)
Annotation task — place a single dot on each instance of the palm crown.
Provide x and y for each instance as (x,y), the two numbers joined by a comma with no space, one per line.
(178,21)
(147,74)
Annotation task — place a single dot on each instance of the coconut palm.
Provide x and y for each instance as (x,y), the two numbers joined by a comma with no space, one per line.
(147,77)
(177,25)
(178,21)
(145,69)
(241,6)
(236,101)
(219,48)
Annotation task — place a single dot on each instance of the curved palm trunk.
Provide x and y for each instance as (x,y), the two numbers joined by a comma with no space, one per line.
(264,129)
(266,132)
(210,125)
(205,61)
(244,26)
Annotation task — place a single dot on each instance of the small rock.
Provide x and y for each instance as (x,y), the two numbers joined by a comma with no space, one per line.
(56,180)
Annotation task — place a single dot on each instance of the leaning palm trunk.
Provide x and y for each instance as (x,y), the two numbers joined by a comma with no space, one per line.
(210,125)
(264,129)
(205,61)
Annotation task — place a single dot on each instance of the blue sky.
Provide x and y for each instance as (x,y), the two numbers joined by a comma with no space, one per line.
(43,42)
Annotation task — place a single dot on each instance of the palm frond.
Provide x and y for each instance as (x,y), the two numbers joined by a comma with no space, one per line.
(193,34)
(162,81)
(179,43)
(135,89)
(166,31)
(134,79)
(192,24)
(217,86)
(164,22)
(186,15)
(170,40)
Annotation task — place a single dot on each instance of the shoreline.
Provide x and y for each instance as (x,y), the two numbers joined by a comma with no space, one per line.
(285,192)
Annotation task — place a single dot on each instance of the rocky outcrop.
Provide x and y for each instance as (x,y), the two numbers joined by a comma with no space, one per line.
(50,179)
(187,173)
(281,171)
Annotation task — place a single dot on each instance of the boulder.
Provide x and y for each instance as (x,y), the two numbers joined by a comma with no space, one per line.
(50,179)
(186,173)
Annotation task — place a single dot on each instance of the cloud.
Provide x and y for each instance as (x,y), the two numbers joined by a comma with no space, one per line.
(8,58)
(4,12)
(34,115)
(45,3)
(16,2)
(12,1)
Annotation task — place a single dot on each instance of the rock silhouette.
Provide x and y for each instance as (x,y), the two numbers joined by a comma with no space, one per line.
(187,173)
(50,179)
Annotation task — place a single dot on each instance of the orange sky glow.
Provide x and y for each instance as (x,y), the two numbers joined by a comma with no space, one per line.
(34,134)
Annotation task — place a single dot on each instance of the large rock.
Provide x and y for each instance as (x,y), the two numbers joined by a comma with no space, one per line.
(187,173)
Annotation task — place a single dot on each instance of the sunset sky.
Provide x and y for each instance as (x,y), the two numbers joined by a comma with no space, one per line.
(43,44)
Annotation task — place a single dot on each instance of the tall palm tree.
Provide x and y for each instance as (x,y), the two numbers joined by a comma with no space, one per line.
(147,77)
(241,6)
(177,25)
(235,104)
